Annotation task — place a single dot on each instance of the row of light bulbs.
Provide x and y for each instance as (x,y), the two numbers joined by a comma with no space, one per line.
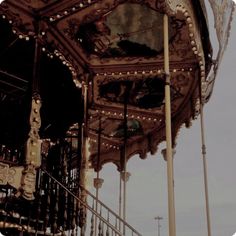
(132,116)
(106,145)
(72,9)
(197,51)
(150,72)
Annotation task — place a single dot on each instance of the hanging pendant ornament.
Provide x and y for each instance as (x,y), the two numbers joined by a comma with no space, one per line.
(33,151)
(33,144)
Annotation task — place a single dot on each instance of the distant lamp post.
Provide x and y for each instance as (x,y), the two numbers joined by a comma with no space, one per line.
(158,218)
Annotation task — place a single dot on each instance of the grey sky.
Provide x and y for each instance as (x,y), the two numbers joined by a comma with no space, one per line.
(147,192)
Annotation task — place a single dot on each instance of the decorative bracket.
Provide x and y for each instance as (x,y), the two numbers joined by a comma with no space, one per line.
(10,175)
(20,177)
(166,6)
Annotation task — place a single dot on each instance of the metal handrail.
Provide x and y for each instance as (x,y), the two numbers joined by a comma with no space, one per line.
(83,203)
(111,211)
(134,232)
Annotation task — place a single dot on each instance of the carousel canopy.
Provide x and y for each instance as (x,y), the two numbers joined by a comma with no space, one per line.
(115,49)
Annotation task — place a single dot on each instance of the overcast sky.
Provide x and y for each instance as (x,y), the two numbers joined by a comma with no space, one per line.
(147,187)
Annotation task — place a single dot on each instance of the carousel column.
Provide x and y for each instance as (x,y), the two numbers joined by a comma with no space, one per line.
(84,138)
(124,175)
(169,156)
(98,181)
(85,153)
(120,199)
(33,144)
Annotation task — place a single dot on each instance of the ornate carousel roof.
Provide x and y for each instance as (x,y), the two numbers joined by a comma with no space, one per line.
(115,49)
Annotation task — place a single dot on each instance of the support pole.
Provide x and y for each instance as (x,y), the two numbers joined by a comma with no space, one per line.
(205,169)
(85,152)
(124,155)
(84,139)
(170,177)
(120,199)
(123,160)
(97,186)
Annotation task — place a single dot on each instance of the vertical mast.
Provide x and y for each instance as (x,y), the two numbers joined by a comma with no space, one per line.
(170,177)
(205,169)
(124,153)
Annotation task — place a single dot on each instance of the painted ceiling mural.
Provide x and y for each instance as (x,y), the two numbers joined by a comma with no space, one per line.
(129,30)
(148,93)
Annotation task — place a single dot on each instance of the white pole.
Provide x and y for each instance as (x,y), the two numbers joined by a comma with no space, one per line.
(124,157)
(120,199)
(205,170)
(170,177)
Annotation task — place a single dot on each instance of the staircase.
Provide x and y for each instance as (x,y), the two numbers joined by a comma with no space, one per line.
(61,206)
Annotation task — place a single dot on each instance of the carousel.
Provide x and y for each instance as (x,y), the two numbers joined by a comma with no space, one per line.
(89,82)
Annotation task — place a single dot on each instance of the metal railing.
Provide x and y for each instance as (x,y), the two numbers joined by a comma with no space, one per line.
(108,221)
